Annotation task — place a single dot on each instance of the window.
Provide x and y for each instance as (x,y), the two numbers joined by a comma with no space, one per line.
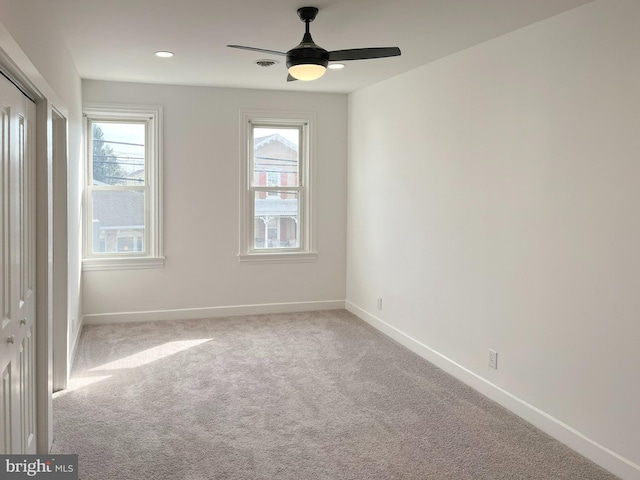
(276,200)
(123,199)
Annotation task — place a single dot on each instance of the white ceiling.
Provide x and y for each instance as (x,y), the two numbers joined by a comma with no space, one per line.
(116,39)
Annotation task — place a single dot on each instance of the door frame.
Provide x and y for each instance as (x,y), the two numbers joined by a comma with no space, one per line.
(20,70)
(60,252)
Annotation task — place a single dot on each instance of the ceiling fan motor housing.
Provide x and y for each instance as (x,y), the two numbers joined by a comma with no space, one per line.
(307,54)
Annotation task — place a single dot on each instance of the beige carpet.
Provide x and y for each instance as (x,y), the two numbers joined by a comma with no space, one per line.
(318,395)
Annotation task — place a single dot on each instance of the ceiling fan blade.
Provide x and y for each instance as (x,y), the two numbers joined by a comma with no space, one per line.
(253,49)
(291,78)
(363,53)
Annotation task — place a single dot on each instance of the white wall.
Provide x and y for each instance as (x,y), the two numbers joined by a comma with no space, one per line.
(493,203)
(201,205)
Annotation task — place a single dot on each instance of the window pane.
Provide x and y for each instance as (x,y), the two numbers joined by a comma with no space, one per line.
(276,219)
(118,221)
(275,156)
(118,153)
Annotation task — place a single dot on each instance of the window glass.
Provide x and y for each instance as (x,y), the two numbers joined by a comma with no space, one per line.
(117,213)
(276,219)
(118,153)
(276,166)
(276,156)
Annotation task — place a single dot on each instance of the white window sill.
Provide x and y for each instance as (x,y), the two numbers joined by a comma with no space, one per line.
(123,263)
(279,257)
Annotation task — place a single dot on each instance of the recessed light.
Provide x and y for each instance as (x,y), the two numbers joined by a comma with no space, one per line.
(336,66)
(164,54)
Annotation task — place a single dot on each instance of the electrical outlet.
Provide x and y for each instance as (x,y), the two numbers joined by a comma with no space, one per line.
(379,303)
(493,359)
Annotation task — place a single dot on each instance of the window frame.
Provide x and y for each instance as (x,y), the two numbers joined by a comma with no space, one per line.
(151,116)
(305,252)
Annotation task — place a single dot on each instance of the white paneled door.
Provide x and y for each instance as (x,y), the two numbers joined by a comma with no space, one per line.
(17,272)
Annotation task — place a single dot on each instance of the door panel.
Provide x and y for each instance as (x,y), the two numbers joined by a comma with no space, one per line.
(6,410)
(27,389)
(17,257)
(6,295)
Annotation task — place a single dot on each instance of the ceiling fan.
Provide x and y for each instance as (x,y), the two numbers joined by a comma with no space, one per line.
(308,61)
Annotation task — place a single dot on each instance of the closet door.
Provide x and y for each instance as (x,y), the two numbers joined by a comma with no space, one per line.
(17,272)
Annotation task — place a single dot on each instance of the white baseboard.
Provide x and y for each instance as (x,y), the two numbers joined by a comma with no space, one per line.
(210,312)
(595,452)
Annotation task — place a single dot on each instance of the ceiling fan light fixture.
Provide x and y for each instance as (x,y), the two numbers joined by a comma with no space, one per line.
(307,71)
